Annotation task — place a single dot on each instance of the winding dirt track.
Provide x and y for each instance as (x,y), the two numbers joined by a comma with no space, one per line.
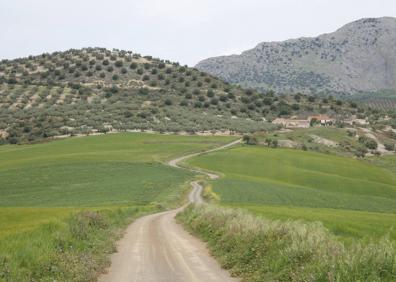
(156,248)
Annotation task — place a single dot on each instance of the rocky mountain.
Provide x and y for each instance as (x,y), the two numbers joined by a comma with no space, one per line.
(360,56)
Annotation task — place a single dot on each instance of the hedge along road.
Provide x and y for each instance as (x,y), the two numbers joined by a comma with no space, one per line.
(156,248)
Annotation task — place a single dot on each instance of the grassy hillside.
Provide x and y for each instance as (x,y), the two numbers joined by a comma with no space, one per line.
(292,215)
(63,203)
(388,162)
(346,224)
(259,249)
(115,168)
(286,183)
(348,141)
(94,89)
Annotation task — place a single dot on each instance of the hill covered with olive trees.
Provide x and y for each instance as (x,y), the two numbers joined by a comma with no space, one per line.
(98,90)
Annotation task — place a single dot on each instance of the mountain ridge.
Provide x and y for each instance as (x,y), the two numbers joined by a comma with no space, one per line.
(360,56)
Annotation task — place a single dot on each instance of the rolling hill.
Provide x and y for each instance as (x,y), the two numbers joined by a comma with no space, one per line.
(98,90)
(290,215)
(359,56)
(63,204)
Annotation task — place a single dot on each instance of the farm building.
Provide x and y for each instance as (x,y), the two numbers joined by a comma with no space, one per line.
(292,123)
(323,119)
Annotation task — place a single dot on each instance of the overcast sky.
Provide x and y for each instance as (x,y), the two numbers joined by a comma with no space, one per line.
(180,30)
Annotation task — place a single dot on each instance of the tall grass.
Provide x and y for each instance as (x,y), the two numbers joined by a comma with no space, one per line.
(258,249)
(73,249)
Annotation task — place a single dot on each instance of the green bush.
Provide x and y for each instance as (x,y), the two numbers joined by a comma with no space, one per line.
(196,92)
(143,91)
(197,104)
(168,102)
(249,140)
(389,146)
(368,142)
(214,101)
(82,224)
(184,103)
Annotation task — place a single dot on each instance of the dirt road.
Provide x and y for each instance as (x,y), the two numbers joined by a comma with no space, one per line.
(175,162)
(156,248)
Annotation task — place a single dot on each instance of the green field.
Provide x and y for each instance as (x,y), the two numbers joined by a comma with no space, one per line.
(128,147)
(90,184)
(351,197)
(53,192)
(17,220)
(388,162)
(96,171)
